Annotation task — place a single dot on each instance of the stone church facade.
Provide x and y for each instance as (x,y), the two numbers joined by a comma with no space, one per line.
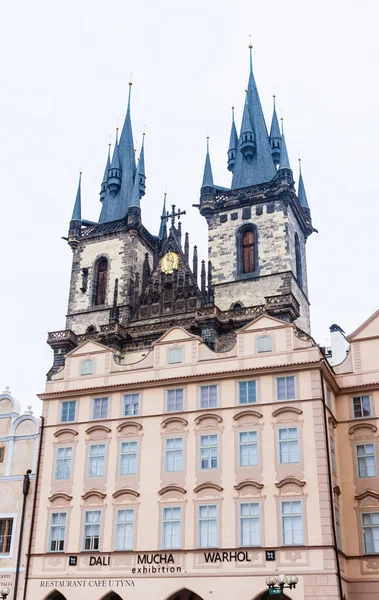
(192,443)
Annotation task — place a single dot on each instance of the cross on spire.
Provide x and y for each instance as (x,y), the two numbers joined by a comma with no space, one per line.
(172,215)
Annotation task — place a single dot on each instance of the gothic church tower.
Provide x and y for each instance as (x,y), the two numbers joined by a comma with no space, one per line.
(257,230)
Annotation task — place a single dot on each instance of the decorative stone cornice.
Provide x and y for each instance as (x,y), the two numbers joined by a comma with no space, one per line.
(172,488)
(64,431)
(62,495)
(361,425)
(284,409)
(367,494)
(96,493)
(126,424)
(247,413)
(248,483)
(125,492)
(174,419)
(290,479)
(207,485)
(208,416)
(98,428)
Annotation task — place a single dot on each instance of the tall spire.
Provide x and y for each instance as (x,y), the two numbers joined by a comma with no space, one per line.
(104,183)
(233,144)
(135,199)
(301,194)
(115,205)
(275,137)
(163,226)
(142,176)
(207,177)
(77,212)
(258,167)
(284,160)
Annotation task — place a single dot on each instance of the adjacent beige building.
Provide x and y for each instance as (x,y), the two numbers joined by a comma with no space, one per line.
(19,439)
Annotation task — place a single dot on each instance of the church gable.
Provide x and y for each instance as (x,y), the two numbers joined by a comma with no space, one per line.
(368,330)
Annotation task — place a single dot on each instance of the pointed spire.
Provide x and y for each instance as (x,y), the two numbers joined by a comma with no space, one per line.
(114,173)
(207,177)
(142,176)
(163,226)
(194,263)
(233,144)
(275,137)
(247,139)
(284,160)
(301,194)
(77,212)
(203,278)
(186,247)
(104,183)
(257,167)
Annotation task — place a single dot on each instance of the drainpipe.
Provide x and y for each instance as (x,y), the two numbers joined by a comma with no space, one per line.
(330,481)
(25,491)
(33,511)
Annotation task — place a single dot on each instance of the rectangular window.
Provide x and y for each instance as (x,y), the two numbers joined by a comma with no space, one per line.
(2,452)
(91,540)
(172,528)
(125,529)
(292,523)
(361,407)
(333,454)
(329,398)
(264,343)
(338,527)
(100,408)
(6,528)
(68,411)
(207,526)
(370,524)
(366,460)
(208,396)
(131,405)
(63,463)
(175,355)
(248,448)
(247,392)
(209,451)
(86,368)
(288,445)
(174,400)
(285,388)
(128,458)
(57,532)
(173,455)
(250,524)
(96,460)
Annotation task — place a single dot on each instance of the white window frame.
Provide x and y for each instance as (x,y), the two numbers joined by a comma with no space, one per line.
(251,518)
(262,347)
(208,447)
(174,392)
(68,402)
(90,524)
(134,411)
(174,452)
(202,387)
(289,440)
(369,526)
(172,521)
(365,456)
(91,367)
(63,459)
(208,519)
(129,453)
(247,383)
(361,405)
(285,377)
(94,458)
(248,443)
(175,356)
(59,526)
(101,400)
(291,516)
(125,524)
(14,528)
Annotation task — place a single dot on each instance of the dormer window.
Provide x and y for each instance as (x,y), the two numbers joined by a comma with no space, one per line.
(175,356)
(264,343)
(86,368)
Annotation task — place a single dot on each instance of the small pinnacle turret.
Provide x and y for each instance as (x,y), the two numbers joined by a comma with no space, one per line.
(135,199)
(114,173)
(247,138)
(301,194)
(77,212)
(142,175)
(163,225)
(207,177)
(275,137)
(233,145)
(104,183)
(284,160)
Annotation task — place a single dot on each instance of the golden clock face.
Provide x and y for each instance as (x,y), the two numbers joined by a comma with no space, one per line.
(169,262)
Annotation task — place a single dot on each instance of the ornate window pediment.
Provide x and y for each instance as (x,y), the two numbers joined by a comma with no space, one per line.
(247,413)
(97,428)
(172,488)
(287,409)
(174,419)
(210,416)
(125,492)
(94,494)
(65,431)
(129,424)
(208,485)
(361,426)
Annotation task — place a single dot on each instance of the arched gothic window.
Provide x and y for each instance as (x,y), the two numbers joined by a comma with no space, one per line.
(248,251)
(299,270)
(100,287)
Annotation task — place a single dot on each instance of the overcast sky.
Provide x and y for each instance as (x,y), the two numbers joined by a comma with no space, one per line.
(63,90)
